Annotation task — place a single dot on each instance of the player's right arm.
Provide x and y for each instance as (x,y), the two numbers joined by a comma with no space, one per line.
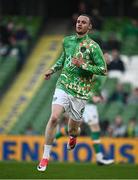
(57,66)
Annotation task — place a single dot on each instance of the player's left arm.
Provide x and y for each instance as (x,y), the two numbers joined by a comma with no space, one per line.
(99,65)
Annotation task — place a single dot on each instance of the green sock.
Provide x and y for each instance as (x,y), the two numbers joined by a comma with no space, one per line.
(96,141)
(58,135)
(62,132)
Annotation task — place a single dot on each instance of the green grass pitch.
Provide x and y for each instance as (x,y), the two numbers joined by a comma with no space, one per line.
(24,170)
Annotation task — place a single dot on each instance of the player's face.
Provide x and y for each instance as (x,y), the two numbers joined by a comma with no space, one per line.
(82,25)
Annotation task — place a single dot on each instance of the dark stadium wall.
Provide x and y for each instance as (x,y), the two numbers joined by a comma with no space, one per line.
(65,8)
(59,8)
(24,7)
(62,8)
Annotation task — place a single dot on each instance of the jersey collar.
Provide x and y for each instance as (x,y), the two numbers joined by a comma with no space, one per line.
(81,38)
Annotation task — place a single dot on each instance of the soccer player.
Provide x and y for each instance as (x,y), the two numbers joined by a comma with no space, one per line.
(81,58)
(91,117)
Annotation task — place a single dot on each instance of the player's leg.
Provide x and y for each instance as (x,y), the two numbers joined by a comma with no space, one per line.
(49,135)
(50,132)
(92,119)
(95,135)
(58,107)
(73,131)
(75,114)
(62,131)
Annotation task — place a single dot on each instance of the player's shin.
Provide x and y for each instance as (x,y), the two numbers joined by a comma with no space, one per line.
(49,135)
(74,131)
(100,159)
(96,141)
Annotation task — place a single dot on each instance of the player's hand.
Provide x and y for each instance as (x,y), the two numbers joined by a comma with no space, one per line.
(97,99)
(77,61)
(48,74)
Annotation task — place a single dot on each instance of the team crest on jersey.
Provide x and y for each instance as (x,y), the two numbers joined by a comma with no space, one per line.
(82,110)
(83,49)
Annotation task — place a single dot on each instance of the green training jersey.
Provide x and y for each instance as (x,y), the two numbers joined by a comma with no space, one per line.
(79,81)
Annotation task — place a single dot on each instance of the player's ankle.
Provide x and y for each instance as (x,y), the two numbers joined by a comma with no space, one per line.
(72,136)
(99,156)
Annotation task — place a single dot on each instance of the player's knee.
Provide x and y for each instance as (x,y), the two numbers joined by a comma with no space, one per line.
(54,120)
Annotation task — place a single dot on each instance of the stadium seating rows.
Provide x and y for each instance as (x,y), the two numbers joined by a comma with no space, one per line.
(9,63)
(8,67)
(124,31)
(38,111)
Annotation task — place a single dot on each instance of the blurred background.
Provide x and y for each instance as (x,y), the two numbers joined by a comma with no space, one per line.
(31,34)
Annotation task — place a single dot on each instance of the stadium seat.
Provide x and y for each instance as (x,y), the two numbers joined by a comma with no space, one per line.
(126,61)
(101,109)
(129,111)
(110,85)
(8,69)
(115,74)
(38,110)
(113,109)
